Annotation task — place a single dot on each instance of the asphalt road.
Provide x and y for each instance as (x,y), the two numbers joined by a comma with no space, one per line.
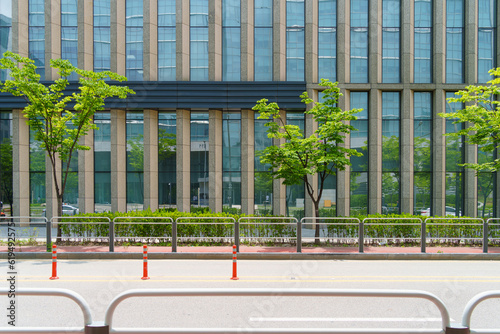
(99,281)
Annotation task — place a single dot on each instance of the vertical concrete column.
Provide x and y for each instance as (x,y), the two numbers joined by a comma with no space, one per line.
(86,175)
(439,40)
(247,40)
(247,161)
(151,159)
(183,159)
(375,41)
(407,149)
(279,40)
(343,41)
(343,176)
(118,160)
(310,127)
(118,36)
(471,24)
(150,40)
(311,41)
(20,27)
(439,155)
(375,153)
(215,160)
(50,186)
(407,40)
(20,164)
(52,36)
(215,40)
(86,35)
(182,41)
(279,189)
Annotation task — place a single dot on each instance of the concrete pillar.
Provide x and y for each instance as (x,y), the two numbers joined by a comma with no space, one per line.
(279,189)
(183,159)
(439,155)
(20,27)
(247,161)
(86,175)
(343,41)
(439,42)
(118,161)
(279,40)
(20,164)
(471,45)
(151,159)
(407,149)
(375,153)
(343,177)
(85,35)
(215,160)
(311,42)
(52,36)
(247,40)
(150,41)
(407,40)
(182,41)
(375,42)
(118,36)
(215,40)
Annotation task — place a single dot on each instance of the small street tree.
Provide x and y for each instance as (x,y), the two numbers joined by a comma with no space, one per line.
(59,119)
(482,114)
(299,158)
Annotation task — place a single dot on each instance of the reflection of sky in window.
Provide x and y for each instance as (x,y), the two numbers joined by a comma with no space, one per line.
(6,8)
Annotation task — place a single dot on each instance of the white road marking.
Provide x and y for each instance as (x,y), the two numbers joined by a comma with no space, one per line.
(256,319)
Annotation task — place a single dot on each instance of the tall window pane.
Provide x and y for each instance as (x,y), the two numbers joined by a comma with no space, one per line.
(37,177)
(102,35)
(359,41)
(102,162)
(454,41)
(486,48)
(231,161)
(5,31)
(295,195)
(36,35)
(295,49)
(69,33)
(199,39)
(263,186)
(135,161)
(422,71)
(231,37)
(134,40)
(167,178)
(391,176)
(359,142)
(166,40)
(199,159)
(6,160)
(327,39)
(391,41)
(263,41)
(422,164)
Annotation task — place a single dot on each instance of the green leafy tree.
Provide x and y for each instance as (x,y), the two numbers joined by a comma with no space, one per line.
(482,113)
(322,153)
(59,119)
(6,173)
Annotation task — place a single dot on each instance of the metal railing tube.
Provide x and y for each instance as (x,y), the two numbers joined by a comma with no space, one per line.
(174,237)
(237,235)
(471,305)
(49,235)
(299,236)
(112,236)
(361,236)
(485,236)
(423,232)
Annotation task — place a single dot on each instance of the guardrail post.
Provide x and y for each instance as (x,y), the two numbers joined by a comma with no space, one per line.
(457,329)
(423,240)
(174,237)
(361,237)
(112,236)
(485,236)
(237,235)
(49,235)
(299,236)
(97,328)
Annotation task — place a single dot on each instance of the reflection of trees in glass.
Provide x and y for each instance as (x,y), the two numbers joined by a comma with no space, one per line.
(390,176)
(6,173)
(485,184)
(422,168)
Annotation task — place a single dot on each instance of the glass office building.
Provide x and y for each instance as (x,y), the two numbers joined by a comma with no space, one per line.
(189,137)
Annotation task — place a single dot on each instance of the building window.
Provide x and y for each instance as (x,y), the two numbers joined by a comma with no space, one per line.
(167,167)
(134,40)
(359,142)
(263,186)
(5,31)
(69,33)
(37,176)
(231,40)
(391,162)
(71,190)
(422,151)
(166,40)
(455,155)
(36,35)
(231,161)
(6,160)
(295,49)
(295,195)
(327,39)
(391,24)
(102,162)
(199,40)
(454,41)
(102,35)
(422,71)
(263,41)
(486,39)
(135,161)
(359,41)
(199,159)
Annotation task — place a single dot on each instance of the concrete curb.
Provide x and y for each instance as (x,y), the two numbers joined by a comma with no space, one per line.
(256,256)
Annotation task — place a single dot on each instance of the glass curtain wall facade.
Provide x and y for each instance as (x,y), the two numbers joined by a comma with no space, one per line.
(36,35)
(422,154)
(231,161)
(102,35)
(69,33)
(263,186)
(486,39)
(134,47)
(231,40)
(455,41)
(102,162)
(295,47)
(199,159)
(167,163)
(199,40)
(422,68)
(6,160)
(359,41)
(166,40)
(135,161)
(391,24)
(327,39)
(263,43)
(5,31)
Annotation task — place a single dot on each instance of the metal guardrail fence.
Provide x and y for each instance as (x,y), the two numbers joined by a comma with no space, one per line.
(106,327)
(283,229)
